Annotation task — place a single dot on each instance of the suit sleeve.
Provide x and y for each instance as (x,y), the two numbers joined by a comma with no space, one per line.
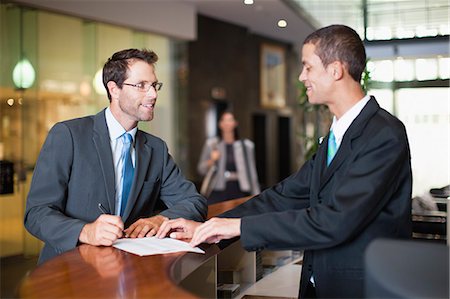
(46,201)
(180,195)
(370,181)
(290,194)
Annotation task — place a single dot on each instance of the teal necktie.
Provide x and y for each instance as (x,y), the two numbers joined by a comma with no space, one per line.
(127,172)
(332,147)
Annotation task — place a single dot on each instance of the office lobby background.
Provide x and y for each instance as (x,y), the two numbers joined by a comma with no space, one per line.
(207,65)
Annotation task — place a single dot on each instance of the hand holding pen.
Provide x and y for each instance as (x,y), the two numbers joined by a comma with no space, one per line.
(105,230)
(103,210)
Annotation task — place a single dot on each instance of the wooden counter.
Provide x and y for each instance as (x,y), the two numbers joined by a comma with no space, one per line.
(106,272)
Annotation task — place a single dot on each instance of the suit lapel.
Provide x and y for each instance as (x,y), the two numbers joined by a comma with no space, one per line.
(354,131)
(143,154)
(103,148)
(321,156)
(320,165)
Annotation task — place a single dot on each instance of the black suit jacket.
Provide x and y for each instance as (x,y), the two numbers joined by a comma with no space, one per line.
(334,212)
(75,172)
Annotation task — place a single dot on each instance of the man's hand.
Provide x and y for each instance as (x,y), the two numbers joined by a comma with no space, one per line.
(103,231)
(216,229)
(180,229)
(145,227)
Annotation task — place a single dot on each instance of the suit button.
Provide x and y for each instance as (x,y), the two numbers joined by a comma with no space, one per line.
(320,201)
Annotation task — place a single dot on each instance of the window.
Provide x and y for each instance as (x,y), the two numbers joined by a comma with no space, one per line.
(404,87)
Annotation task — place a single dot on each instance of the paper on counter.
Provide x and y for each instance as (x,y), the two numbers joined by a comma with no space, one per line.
(153,245)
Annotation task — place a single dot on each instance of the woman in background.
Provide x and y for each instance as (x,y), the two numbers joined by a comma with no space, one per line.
(228,164)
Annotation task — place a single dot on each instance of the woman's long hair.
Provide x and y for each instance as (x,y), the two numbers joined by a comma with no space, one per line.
(219,131)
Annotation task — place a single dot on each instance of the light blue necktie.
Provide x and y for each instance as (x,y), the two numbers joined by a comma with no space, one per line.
(332,147)
(127,172)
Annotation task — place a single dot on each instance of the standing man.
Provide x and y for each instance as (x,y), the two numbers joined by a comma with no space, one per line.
(99,177)
(334,206)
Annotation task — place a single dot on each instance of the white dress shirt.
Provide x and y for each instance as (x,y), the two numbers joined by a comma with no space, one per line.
(340,126)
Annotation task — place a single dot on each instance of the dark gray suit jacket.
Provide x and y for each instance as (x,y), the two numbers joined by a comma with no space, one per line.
(75,172)
(334,212)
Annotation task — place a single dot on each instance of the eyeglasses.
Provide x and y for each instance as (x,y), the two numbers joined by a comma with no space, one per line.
(145,86)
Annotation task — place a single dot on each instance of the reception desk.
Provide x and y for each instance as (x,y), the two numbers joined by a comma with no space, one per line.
(106,272)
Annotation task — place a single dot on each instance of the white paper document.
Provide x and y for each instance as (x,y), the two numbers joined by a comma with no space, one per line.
(153,245)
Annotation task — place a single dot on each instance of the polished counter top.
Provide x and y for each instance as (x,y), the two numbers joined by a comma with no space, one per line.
(106,272)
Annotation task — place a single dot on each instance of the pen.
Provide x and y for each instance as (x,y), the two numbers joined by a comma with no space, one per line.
(102,209)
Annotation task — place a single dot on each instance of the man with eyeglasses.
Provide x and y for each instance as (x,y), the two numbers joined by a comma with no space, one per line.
(99,178)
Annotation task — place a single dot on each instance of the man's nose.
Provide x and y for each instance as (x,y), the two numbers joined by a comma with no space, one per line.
(152,92)
(302,76)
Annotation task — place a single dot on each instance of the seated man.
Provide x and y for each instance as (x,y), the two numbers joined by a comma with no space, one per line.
(99,177)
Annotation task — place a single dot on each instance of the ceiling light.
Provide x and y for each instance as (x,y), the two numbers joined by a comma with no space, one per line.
(23,74)
(248,2)
(282,23)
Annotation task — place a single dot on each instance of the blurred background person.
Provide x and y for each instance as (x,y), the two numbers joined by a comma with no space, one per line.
(227,163)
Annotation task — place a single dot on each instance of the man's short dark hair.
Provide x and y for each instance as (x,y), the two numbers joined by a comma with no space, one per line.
(340,43)
(116,68)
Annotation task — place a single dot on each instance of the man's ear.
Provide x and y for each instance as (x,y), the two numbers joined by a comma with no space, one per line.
(337,70)
(113,89)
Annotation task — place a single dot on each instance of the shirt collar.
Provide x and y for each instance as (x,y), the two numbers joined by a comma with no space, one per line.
(115,128)
(340,126)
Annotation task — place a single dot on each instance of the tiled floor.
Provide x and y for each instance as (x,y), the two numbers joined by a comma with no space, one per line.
(12,271)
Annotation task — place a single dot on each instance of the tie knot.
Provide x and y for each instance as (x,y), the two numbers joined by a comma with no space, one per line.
(332,138)
(127,138)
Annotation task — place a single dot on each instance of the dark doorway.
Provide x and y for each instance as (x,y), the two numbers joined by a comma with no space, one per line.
(260,140)
(284,147)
